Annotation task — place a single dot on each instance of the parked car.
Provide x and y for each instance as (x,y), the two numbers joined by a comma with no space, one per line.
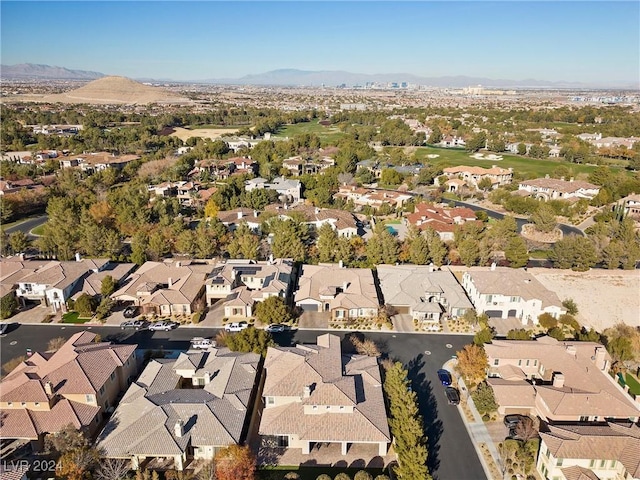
(453,396)
(130,312)
(4,326)
(236,326)
(445,377)
(511,421)
(203,343)
(275,327)
(135,324)
(165,325)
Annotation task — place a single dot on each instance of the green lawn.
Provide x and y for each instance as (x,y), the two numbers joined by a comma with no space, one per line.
(74,317)
(328,135)
(311,473)
(196,127)
(634,386)
(39,230)
(540,254)
(449,157)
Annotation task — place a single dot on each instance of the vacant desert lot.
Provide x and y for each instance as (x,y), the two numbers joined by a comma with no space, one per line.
(604,297)
(212,133)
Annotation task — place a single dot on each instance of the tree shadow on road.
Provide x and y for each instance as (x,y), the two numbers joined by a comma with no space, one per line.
(428,409)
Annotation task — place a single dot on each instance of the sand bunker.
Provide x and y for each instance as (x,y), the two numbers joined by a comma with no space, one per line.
(211,133)
(433,155)
(489,156)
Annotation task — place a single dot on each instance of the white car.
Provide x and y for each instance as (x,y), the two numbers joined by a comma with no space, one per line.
(236,326)
(165,325)
(203,343)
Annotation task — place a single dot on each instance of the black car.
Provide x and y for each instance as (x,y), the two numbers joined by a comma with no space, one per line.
(445,377)
(453,396)
(130,312)
(511,421)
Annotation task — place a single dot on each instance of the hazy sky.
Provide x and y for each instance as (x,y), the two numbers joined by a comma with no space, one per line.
(551,40)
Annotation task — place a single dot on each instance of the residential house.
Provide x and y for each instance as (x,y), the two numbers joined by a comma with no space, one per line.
(372,165)
(299,165)
(473,175)
(75,385)
(12,269)
(184,409)
(344,223)
(289,190)
(631,205)
(171,287)
(344,293)
(605,451)
(53,283)
(96,162)
(13,186)
(552,188)
(232,218)
(452,141)
(241,165)
(558,381)
(372,197)
(426,294)
(92,283)
(442,219)
(507,292)
(243,283)
(315,394)
(612,142)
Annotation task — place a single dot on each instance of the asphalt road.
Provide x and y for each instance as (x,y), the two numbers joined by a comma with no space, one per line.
(28,225)
(451,452)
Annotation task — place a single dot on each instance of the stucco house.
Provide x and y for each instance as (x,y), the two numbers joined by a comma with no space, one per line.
(605,451)
(473,175)
(553,188)
(291,190)
(166,288)
(344,223)
(558,381)
(315,394)
(75,385)
(184,409)
(243,283)
(442,219)
(422,292)
(503,292)
(344,293)
(53,283)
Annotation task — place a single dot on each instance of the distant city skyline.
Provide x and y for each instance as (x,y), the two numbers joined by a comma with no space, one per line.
(587,42)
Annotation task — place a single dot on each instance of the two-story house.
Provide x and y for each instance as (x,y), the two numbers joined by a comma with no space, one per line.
(553,188)
(558,381)
(315,395)
(473,175)
(507,292)
(290,190)
(75,385)
(243,283)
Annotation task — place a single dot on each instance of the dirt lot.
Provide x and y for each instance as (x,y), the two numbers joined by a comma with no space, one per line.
(212,133)
(604,297)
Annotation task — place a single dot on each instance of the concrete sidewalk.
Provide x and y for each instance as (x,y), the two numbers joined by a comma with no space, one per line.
(477,429)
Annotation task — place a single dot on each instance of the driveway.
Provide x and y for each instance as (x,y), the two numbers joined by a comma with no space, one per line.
(314,320)
(403,322)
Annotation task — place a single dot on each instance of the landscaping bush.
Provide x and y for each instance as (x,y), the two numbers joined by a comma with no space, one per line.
(196,317)
(362,475)
(381,477)
(484,399)
(323,476)
(292,476)
(342,476)
(547,321)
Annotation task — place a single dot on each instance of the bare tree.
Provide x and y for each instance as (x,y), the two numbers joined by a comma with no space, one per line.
(55,344)
(113,469)
(365,347)
(527,428)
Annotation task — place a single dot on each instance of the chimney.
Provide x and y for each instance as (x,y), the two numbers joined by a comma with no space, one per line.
(558,380)
(430,267)
(306,391)
(169,282)
(178,264)
(571,350)
(571,179)
(562,179)
(345,285)
(317,210)
(255,214)
(493,266)
(546,176)
(78,257)
(340,264)
(271,259)
(240,214)
(207,378)
(178,428)
(600,358)
(48,389)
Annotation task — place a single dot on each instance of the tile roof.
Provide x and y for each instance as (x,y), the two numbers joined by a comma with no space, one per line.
(477,170)
(144,422)
(320,368)
(360,291)
(601,442)
(62,274)
(560,185)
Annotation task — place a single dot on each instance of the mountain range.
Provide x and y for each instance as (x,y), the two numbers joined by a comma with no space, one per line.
(295,77)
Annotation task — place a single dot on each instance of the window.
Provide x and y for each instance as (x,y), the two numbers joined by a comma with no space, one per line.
(489,298)
(547,453)
(612,464)
(89,398)
(602,463)
(496,361)
(584,418)
(515,299)
(24,404)
(271,401)
(535,363)
(9,404)
(112,376)
(519,363)
(102,390)
(592,463)
(527,363)
(37,404)
(314,407)
(559,462)
(328,407)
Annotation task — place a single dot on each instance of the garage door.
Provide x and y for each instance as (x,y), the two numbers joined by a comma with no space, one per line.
(514,411)
(308,307)
(401,310)
(494,313)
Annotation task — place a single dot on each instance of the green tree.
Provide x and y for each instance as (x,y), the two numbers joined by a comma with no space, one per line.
(575,252)
(436,135)
(85,305)
(484,399)
(472,364)
(570,306)
(288,239)
(476,142)
(544,218)
(437,248)
(519,334)
(405,424)
(390,176)
(108,286)
(272,310)
(8,305)
(244,243)
(547,321)
(621,349)
(469,251)
(483,336)
(516,252)
(249,340)
(18,241)
(327,243)
(485,184)
(139,248)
